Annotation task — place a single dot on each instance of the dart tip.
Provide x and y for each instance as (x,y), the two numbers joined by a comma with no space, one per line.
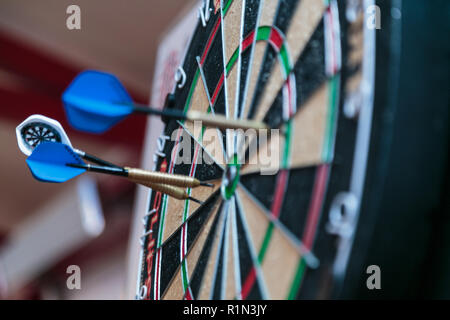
(195,200)
(206,184)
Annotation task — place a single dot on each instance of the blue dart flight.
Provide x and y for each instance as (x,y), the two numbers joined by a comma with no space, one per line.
(95,101)
(48,162)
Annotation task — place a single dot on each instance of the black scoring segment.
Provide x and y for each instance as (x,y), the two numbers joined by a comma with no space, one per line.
(197,221)
(213,65)
(262,187)
(297,199)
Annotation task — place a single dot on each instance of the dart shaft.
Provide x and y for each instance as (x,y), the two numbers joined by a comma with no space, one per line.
(208,119)
(221,121)
(169,113)
(100,169)
(95,159)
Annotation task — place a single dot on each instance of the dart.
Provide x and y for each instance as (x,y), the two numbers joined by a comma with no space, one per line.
(37,129)
(142,176)
(96,101)
(58,162)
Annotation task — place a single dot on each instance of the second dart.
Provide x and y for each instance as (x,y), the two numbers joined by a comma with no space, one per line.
(51,158)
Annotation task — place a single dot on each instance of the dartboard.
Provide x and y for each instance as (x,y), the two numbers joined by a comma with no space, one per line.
(267,229)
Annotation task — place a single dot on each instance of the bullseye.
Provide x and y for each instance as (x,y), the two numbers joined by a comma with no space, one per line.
(230,178)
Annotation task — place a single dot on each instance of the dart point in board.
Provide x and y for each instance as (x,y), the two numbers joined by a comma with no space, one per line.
(96,101)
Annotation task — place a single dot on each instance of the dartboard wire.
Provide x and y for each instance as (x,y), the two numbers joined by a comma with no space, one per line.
(223,216)
(311,259)
(225,251)
(236,259)
(157,274)
(255,273)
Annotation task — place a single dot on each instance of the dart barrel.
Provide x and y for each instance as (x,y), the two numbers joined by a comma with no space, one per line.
(144,176)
